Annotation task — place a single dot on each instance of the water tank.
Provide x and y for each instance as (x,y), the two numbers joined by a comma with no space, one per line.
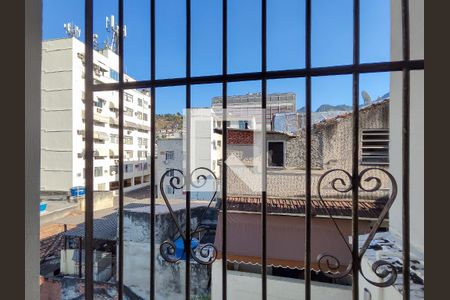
(77,191)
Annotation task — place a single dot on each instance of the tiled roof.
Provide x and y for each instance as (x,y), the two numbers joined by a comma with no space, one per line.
(337,207)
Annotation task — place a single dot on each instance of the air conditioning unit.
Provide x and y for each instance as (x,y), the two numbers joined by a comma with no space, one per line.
(129,131)
(113,173)
(99,110)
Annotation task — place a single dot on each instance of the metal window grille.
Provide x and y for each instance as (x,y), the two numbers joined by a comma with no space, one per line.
(355,69)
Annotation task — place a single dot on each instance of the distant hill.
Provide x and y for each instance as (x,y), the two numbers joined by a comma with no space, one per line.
(329,107)
(169,121)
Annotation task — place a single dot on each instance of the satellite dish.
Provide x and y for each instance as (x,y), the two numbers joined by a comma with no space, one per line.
(365,95)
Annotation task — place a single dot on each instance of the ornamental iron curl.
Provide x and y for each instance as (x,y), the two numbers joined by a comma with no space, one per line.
(384,270)
(206,253)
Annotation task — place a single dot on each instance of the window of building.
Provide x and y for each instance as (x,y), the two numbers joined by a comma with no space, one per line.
(142,154)
(137,180)
(114,170)
(99,102)
(171,172)
(375,146)
(139,101)
(128,140)
(113,74)
(128,168)
(98,171)
(275,155)
(101,187)
(138,167)
(139,115)
(145,117)
(243,124)
(170,155)
(113,185)
(128,97)
(128,112)
(146,178)
(127,182)
(128,154)
(145,166)
(114,138)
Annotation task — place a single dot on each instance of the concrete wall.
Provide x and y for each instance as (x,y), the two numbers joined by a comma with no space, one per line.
(247,286)
(56,115)
(417,192)
(169,278)
(33,21)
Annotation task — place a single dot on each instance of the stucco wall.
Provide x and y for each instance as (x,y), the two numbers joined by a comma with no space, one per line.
(417,192)
(169,278)
(248,286)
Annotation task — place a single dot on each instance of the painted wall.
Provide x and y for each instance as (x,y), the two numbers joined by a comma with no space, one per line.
(33,35)
(417,192)
(248,286)
(169,278)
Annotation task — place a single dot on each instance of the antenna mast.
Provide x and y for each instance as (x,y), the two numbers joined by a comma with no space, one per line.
(112,40)
(72,30)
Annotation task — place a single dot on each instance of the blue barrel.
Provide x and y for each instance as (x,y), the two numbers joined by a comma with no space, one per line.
(77,191)
(179,243)
(42,207)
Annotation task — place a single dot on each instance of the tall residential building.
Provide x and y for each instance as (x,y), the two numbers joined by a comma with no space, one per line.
(63,122)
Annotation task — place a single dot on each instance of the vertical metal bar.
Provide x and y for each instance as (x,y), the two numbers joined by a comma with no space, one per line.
(355,155)
(224,149)
(405,150)
(89,150)
(308,152)
(187,245)
(152,150)
(121,170)
(65,237)
(80,257)
(264,146)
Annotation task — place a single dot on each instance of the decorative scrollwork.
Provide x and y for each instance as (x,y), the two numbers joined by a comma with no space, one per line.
(203,253)
(333,266)
(381,268)
(168,251)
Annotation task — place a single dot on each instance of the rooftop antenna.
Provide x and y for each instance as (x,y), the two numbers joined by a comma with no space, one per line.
(72,30)
(366,97)
(112,40)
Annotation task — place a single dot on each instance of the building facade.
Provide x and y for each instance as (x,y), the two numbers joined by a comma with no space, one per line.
(63,124)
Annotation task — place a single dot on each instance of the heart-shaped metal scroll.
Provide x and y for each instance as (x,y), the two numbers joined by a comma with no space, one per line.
(381,268)
(203,253)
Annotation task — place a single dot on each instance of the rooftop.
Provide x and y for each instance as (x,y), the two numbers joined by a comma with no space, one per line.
(295,206)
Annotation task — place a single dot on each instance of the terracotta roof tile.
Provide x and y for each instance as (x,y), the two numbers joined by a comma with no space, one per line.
(337,207)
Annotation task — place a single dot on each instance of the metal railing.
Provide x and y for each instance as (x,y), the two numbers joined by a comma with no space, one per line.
(355,69)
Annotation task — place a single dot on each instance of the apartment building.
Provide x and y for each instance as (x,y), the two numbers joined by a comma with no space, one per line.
(63,122)
(244,111)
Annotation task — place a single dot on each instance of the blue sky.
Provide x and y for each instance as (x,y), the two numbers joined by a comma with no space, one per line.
(331,43)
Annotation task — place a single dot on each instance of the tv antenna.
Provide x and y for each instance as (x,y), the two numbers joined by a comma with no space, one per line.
(112,40)
(72,30)
(366,97)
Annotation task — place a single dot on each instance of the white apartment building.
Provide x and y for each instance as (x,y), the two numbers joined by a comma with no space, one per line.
(63,126)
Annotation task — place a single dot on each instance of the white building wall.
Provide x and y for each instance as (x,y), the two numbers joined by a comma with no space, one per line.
(56,115)
(242,285)
(63,125)
(417,193)
(162,164)
(417,124)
